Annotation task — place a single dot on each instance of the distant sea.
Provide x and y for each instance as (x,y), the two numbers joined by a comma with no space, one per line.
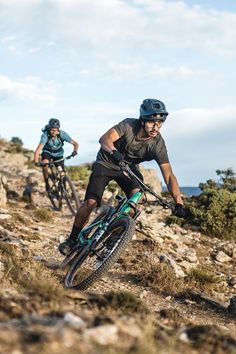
(189,191)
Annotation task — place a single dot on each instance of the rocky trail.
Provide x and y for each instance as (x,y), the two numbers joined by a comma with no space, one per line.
(172,291)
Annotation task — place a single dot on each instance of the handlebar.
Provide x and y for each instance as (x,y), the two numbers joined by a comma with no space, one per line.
(51,163)
(125,168)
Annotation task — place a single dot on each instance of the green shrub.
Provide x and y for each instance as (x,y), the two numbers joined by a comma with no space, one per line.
(17,144)
(16,141)
(79,173)
(214,210)
(203,276)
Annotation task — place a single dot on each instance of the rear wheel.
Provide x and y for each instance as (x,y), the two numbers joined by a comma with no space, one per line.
(78,247)
(54,193)
(97,259)
(70,195)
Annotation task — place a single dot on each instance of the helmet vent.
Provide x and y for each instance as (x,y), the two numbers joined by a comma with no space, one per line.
(157,105)
(144,107)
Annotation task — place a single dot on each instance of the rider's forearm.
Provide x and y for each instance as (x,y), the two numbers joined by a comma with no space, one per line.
(37,152)
(75,145)
(108,139)
(108,147)
(36,156)
(174,190)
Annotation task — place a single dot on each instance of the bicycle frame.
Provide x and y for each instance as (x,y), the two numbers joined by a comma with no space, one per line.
(124,207)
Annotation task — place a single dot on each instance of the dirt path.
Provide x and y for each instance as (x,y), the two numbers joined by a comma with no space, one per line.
(119,279)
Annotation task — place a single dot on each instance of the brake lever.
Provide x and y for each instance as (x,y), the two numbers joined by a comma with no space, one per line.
(123,166)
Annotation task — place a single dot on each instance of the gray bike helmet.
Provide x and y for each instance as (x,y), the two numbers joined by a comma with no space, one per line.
(152,109)
(54,123)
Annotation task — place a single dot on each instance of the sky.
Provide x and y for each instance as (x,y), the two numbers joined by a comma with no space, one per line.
(92,63)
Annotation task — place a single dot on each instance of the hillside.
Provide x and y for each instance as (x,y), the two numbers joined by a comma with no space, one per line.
(172,291)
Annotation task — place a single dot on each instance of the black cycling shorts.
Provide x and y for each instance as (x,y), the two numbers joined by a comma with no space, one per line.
(49,157)
(101,176)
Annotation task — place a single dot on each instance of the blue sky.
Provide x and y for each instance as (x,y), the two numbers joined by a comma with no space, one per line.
(91,63)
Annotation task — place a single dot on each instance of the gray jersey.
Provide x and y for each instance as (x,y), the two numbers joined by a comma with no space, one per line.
(134,149)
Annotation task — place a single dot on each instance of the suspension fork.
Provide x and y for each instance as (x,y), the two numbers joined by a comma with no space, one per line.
(131,204)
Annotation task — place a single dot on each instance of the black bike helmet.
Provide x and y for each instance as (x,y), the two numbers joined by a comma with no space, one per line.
(54,123)
(152,110)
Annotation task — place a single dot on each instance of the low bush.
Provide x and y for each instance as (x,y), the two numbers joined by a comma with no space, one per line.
(43,214)
(79,173)
(214,210)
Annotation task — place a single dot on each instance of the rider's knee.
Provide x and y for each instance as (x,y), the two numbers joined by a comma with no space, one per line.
(90,204)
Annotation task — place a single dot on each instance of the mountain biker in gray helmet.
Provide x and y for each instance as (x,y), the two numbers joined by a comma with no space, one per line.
(54,123)
(51,145)
(132,141)
(153,110)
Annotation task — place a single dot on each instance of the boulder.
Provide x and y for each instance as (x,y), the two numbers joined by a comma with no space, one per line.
(151,179)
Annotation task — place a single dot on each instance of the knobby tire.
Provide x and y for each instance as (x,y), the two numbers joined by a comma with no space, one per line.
(72,200)
(127,226)
(54,194)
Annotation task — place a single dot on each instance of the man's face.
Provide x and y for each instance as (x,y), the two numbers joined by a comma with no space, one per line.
(152,128)
(54,132)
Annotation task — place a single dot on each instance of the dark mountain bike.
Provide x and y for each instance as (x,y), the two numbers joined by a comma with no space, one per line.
(101,243)
(61,186)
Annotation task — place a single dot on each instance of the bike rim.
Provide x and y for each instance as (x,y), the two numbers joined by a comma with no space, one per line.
(54,195)
(97,257)
(70,198)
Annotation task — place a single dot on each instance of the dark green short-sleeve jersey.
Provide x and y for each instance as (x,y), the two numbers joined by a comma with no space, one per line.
(134,150)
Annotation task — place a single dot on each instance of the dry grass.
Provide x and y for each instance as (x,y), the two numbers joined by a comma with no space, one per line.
(125,301)
(19,218)
(31,280)
(43,214)
(161,278)
(203,279)
(121,301)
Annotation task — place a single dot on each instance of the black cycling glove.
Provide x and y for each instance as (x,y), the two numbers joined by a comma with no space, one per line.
(117,156)
(74,153)
(180,211)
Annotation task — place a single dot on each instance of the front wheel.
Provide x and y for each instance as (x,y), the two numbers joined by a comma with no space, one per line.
(70,195)
(94,261)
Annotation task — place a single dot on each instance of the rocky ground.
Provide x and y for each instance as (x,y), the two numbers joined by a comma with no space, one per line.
(172,291)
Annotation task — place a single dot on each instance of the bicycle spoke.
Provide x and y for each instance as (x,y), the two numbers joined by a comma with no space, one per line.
(99,258)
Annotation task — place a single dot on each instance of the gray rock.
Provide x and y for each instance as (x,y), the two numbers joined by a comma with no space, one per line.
(231,281)
(3,195)
(234,253)
(222,257)
(190,255)
(177,269)
(103,335)
(151,179)
(5,216)
(2,270)
(74,321)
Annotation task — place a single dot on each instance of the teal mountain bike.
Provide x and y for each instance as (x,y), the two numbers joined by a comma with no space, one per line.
(102,242)
(61,187)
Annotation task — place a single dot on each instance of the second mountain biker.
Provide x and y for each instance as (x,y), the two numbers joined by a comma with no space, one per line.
(51,145)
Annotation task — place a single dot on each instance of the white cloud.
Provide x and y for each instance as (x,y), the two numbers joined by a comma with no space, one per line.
(27,89)
(108,24)
(137,70)
(193,121)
